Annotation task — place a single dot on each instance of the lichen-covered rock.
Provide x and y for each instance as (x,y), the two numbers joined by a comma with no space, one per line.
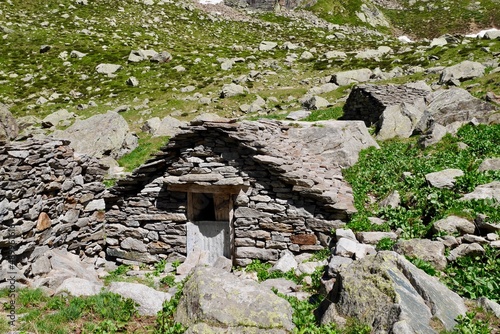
(8,125)
(424,249)
(216,297)
(386,291)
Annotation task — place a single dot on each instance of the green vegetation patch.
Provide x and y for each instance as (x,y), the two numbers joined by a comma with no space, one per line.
(148,145)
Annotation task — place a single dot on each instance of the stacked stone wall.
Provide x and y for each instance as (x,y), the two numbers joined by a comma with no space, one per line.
(49,198)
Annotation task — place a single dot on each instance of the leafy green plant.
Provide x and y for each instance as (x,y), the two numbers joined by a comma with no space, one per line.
(474,277)
(424,265)
(327,114)
(385,244)
(168,280)
(165,323)
(469,324)
(117,273)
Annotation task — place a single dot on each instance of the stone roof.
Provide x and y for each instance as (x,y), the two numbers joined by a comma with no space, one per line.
(308,156)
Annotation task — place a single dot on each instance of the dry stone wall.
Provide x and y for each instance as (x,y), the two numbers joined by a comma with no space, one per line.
(49,198)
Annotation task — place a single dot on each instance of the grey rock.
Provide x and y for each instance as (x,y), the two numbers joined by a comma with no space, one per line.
(433,135)
(79,287)
(373,238)
(114,137)
(298,115)
(447,106)
(168,126)
(150,300)
(8,125)
(306,55)
(385,289)
(283,285)
(489,305)
(107,68)
(465,250)
(485,191)
(267,46)
(464,71)
(336,263)
(286,262)
(444,179)
(454,225)
(345,233)
(392,200)
(77,54)
(133,244)
(41,266)
(132,81)
(257,253)
(162,57)
(489,164)
(45,48)
(136,56)
(232,89)
(492,34)
(60,116)
(194,258)
(346,247)
(315,103)
(424,249)
(215,296)
(352,76)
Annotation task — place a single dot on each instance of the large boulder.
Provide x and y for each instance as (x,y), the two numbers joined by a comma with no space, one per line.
(8,125)
(218,298)
(390,294)
(168,126)
(446,106)
(100,135)
(460,72)
(352,76)
(337,141)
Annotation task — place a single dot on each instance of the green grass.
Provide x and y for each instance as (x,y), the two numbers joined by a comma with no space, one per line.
(62,315)
(147,146)
(324,115)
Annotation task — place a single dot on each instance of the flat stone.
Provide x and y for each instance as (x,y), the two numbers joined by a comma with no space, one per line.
(150,300)
(444,179)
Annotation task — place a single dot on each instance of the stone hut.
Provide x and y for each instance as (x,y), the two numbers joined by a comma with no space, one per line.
(243,190)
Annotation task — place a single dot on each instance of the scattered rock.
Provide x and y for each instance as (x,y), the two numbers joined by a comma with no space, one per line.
(8,125)
(315,103)
(79,287)
(424,249)
(454,225)
(150,301)
(162,57)
(267,46)
(107,68)
(465,250)
(444,179)
(232,89)
(485,191)
(353,76)
(464,71)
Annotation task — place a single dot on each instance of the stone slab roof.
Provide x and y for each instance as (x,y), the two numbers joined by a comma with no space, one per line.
(308,156)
